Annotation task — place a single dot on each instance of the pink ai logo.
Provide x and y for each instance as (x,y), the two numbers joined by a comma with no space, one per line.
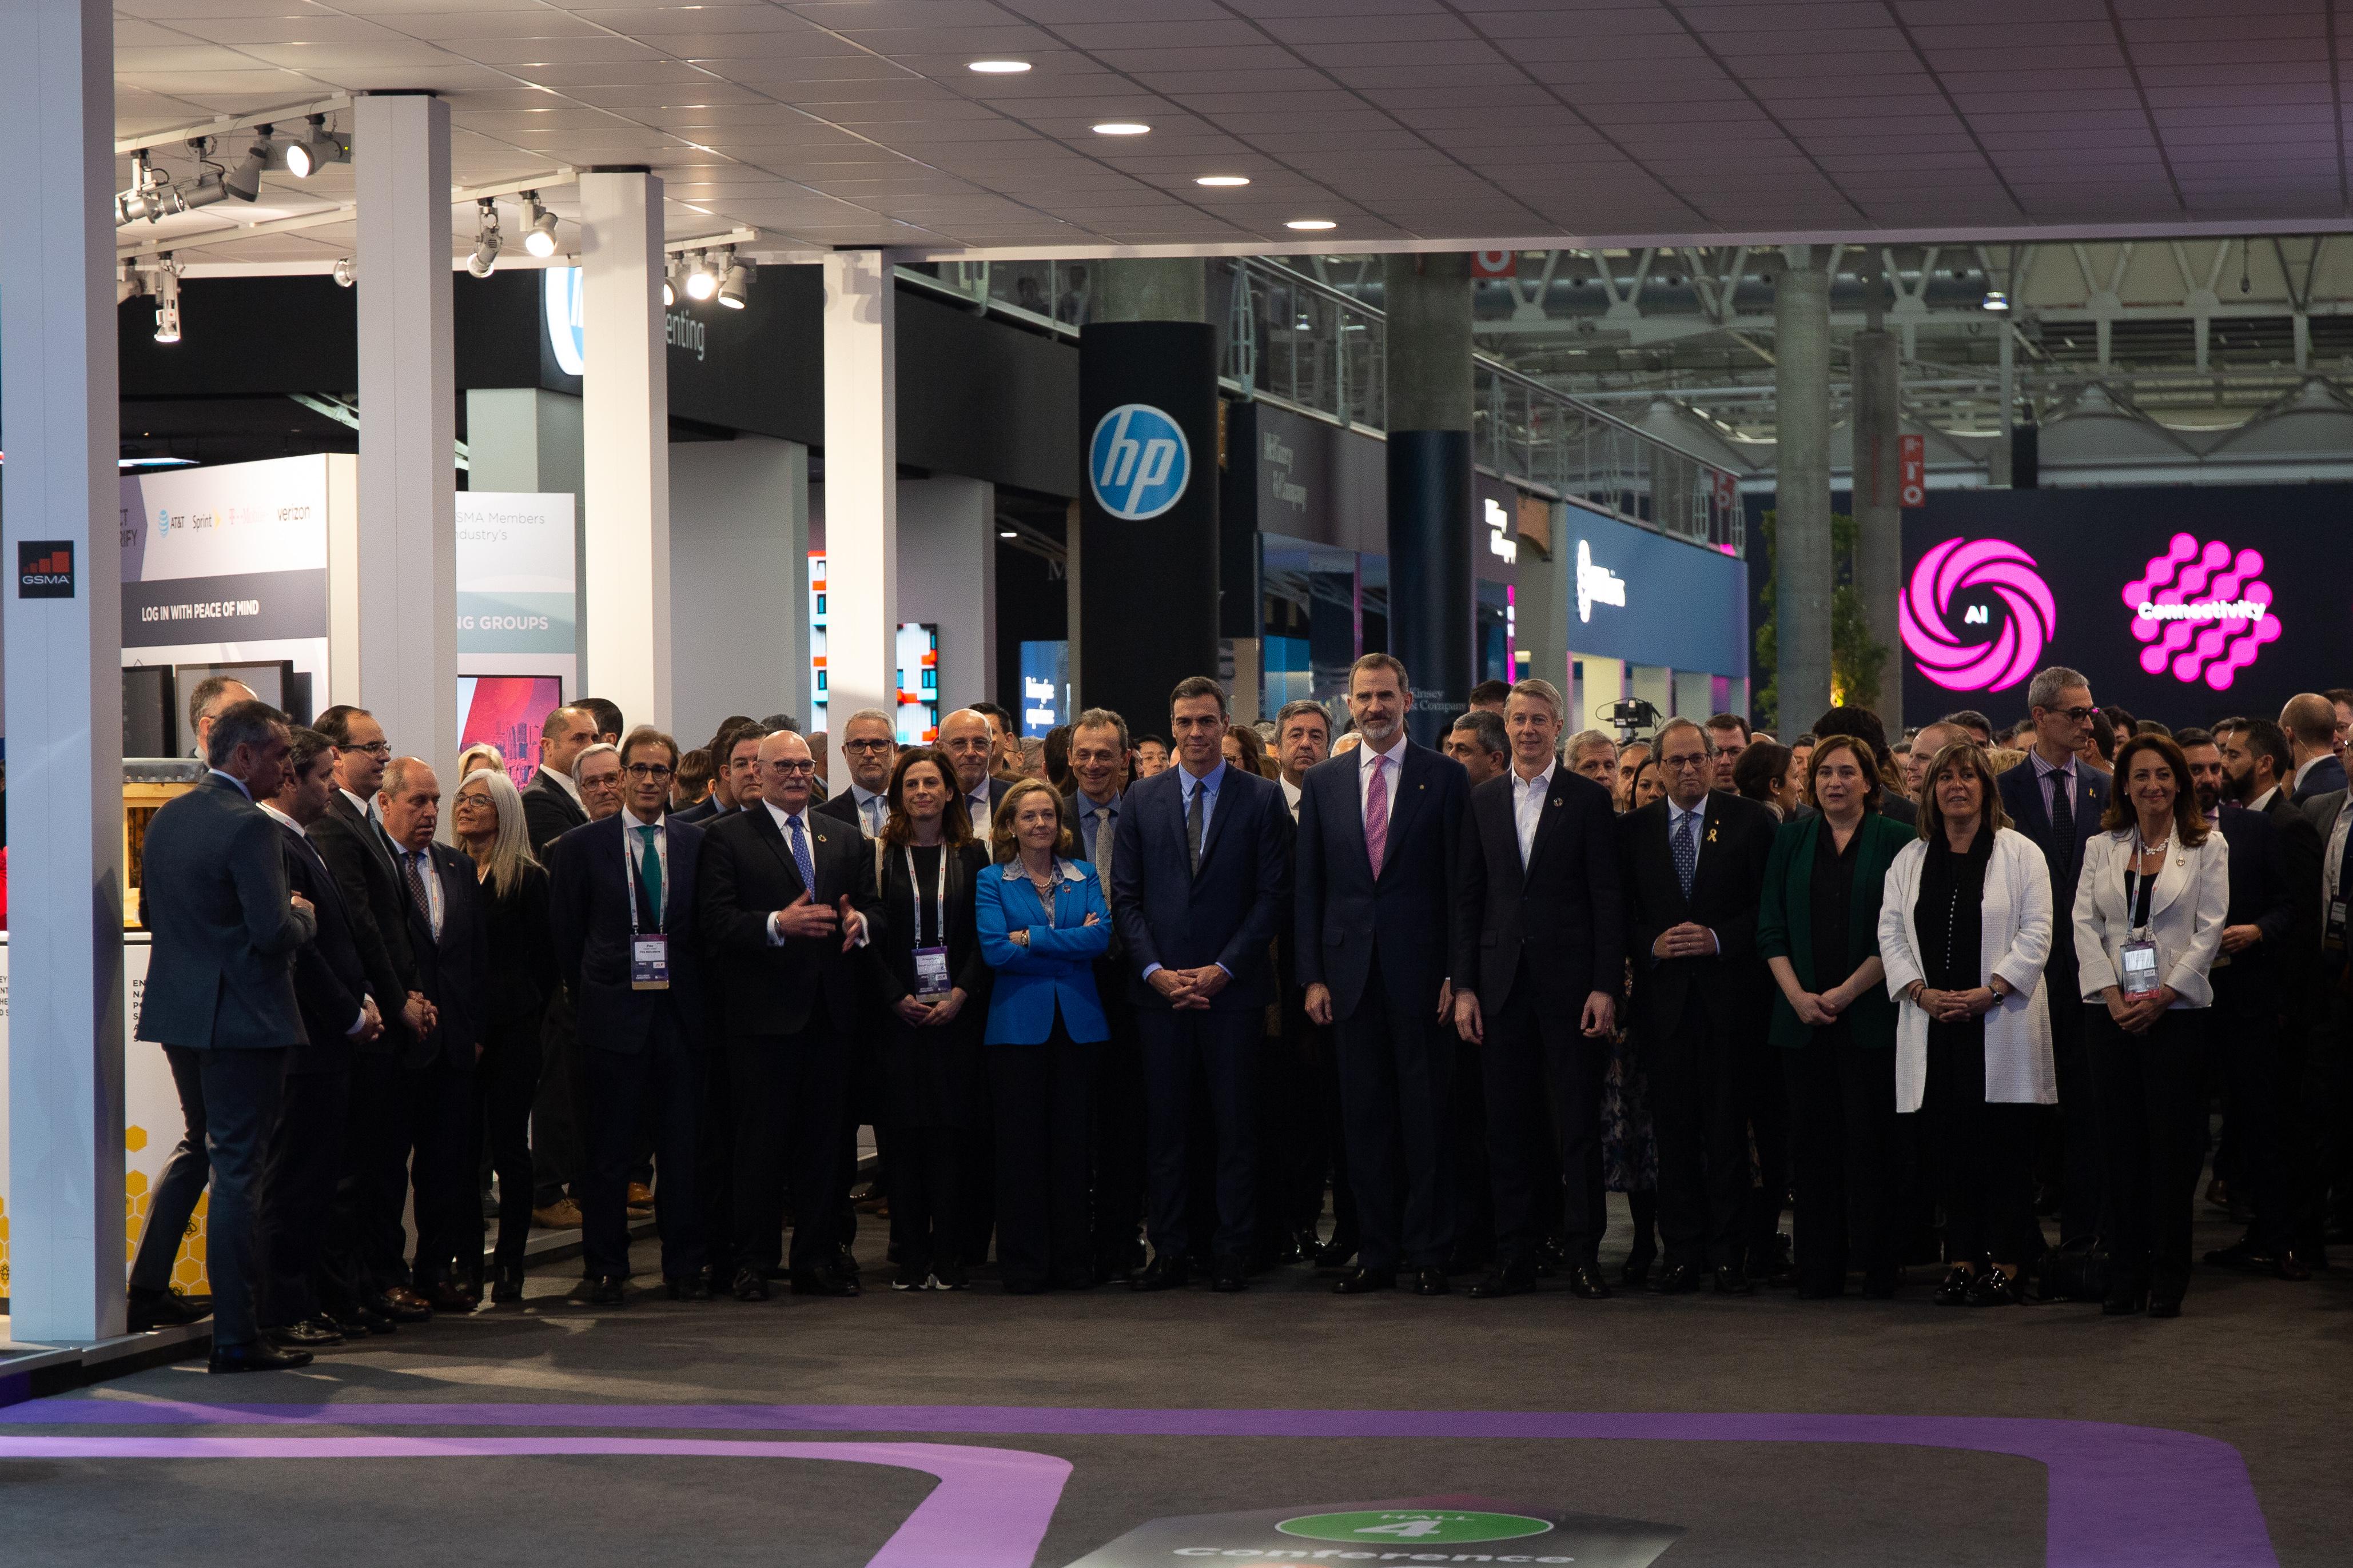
(1993,661)
(2203,611)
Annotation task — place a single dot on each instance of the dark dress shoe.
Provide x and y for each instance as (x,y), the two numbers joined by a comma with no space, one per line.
(403,1305)
(1074,1277)
(358,1322)
(689,1288)
(309,1334)
(603,1289)
(1504,1282)
(2292,1268)
(1335,1252)
(2124,1302)
(149,1310)
(1431,1282)
(1992,1287)
(1227,1274)
(1636,1272)
(1584,1283)
(448,1296)
(845,1263)
(1955,1288)
(1361,1281)
(823,1282)
(1308,1245)
(1164,1273)
(256,1357)
(1675,1280)
(2165,1306)
(2247,1255)
(506,1282)
(1731,1280)
(751,1285)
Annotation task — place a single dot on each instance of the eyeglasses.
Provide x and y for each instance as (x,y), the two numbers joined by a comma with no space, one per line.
(867,746)
(648,771)
(1683,764)
(801,767)
(381,749)
(2078,715)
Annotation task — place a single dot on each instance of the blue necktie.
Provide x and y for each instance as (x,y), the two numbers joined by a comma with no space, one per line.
(801,856)
(1686,855)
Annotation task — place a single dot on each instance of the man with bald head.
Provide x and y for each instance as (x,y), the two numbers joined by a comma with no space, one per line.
(2310,720)
(783,901)
(970,741)
(1930,739)
(551,805)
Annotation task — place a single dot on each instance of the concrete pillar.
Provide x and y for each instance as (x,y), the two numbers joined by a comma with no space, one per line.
(947,576)
(529,439)
(1546,599)
(1156,289)
(1878,510)
(64,659)
(625,420)
(739,581)
(1801,387)
(1431,515)
(408,424)
(861,482)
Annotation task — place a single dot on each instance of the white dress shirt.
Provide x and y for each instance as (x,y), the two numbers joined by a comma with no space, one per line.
(873,810)
(633,843)
(2264,801)
(1527,807)
(1395,756)
(431,876)
(570,785)
(2309,763)
(1698,813)
(1290,797)
(984,819)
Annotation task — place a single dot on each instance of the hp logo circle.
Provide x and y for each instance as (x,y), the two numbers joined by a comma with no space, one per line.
(1138,462)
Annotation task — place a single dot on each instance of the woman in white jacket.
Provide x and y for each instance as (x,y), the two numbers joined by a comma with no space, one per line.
(1964,931)
(2150,906)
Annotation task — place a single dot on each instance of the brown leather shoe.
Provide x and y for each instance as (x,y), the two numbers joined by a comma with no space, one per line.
(448,1296)
(405,1306)
(640,1200)
(560,1215)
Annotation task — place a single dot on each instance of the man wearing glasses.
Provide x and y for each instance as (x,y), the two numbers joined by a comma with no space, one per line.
(869,746)
(2057,802)
(622,903)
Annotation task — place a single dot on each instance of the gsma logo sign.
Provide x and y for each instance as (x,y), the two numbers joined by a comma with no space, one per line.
(45,569)
(1138,462)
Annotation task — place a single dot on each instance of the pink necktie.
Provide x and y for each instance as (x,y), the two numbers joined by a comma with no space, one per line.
(1377,815)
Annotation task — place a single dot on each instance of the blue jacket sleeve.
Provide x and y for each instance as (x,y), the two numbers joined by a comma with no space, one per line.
(1078,944)
(994,927)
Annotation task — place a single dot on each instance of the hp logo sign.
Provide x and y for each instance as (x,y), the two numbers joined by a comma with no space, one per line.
(1138,462)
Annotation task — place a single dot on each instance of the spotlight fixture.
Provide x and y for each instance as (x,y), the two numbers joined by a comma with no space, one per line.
(153,194)
(673,282)
(1311,222)
(1122,128)
(539,237)
(1008,534)
(167,301)
(999,67)
(702,282)
(485,258)
(243,181)
(735,288)
(314,152)
(347,272)
(1223,180)
(1995,300)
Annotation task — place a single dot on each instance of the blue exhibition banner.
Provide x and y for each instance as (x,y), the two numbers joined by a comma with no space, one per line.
(1650,599)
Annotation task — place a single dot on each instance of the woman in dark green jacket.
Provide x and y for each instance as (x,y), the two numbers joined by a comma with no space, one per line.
(1818,927)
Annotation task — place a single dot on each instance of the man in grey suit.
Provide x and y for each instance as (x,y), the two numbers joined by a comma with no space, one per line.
(220,1000)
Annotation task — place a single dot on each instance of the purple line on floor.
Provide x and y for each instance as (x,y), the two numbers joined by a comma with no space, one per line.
(2138,1495)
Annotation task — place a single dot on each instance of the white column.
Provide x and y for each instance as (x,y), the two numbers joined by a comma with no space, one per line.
(408,424)
(739,588)
(948,575)
(625,417)
(64,659)
(861,482)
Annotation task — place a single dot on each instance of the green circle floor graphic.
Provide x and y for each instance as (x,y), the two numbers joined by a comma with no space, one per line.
(1432,1527)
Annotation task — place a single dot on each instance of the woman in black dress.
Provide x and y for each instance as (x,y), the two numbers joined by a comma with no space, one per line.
(933,984)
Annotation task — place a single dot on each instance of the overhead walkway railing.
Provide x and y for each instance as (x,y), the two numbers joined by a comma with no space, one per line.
(1294,341)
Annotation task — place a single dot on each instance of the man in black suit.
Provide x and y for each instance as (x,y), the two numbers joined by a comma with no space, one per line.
(1200,883)
(969,740)
(220,1000)
(448,935)
(551,804)
(1539,958)
(2310,722)
(1695,869)
(722,798)
(622,901)
(2056,801)
(869,747)
(1098,761)
(365,1278)
(1300,1116)
(339,1017)
(782,898)
(2328,1084)
(1375,878)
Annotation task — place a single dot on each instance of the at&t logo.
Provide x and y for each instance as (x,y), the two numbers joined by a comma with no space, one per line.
(1137,462)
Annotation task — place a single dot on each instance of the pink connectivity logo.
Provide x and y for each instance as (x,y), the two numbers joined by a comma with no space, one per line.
(1925,615)
(2203,611)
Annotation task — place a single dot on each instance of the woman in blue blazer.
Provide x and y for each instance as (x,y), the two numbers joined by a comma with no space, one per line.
(1043,923)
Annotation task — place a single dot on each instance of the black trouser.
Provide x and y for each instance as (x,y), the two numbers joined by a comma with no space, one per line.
(444,1127)
(926,1183)
(1984,1156)
(1471,1188)
(2310,1124)
(185,1175)
(1396,1074)
(1544,1126)
(2327,1105)
(557,1159)
(2244,1050)
(625,1096)
(2153,1124)
(2071,1151)
(1119,1124)
(367,1243)
(1842,1143)
(714,1155)
(1221,1049)
(298,1194)
(1766,1093)
(1282,1107)
(1039,1095)
(231,1095)
(788,1093)
(1704,1174)
(506,1081)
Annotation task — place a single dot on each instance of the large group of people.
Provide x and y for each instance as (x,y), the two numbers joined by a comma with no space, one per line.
(1129,1008)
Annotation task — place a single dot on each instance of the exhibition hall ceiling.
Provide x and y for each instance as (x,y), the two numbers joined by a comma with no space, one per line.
(1397,121)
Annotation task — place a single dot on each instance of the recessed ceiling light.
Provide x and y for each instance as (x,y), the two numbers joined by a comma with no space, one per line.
(1122,128)
(1223,179)
(1311,222)
(1000,67)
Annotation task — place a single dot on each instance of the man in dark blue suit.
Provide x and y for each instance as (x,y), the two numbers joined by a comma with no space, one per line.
(1200,885)
(448,935)
(622,903)
(220,1000)
(2056,801)
(734,772)
(2310,720)
(1377,828)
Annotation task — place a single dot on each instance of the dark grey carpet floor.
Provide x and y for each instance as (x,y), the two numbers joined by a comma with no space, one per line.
(2262,1365)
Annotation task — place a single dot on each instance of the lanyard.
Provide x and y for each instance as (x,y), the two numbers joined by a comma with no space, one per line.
(2146,884)
(630,865)
(940,899)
